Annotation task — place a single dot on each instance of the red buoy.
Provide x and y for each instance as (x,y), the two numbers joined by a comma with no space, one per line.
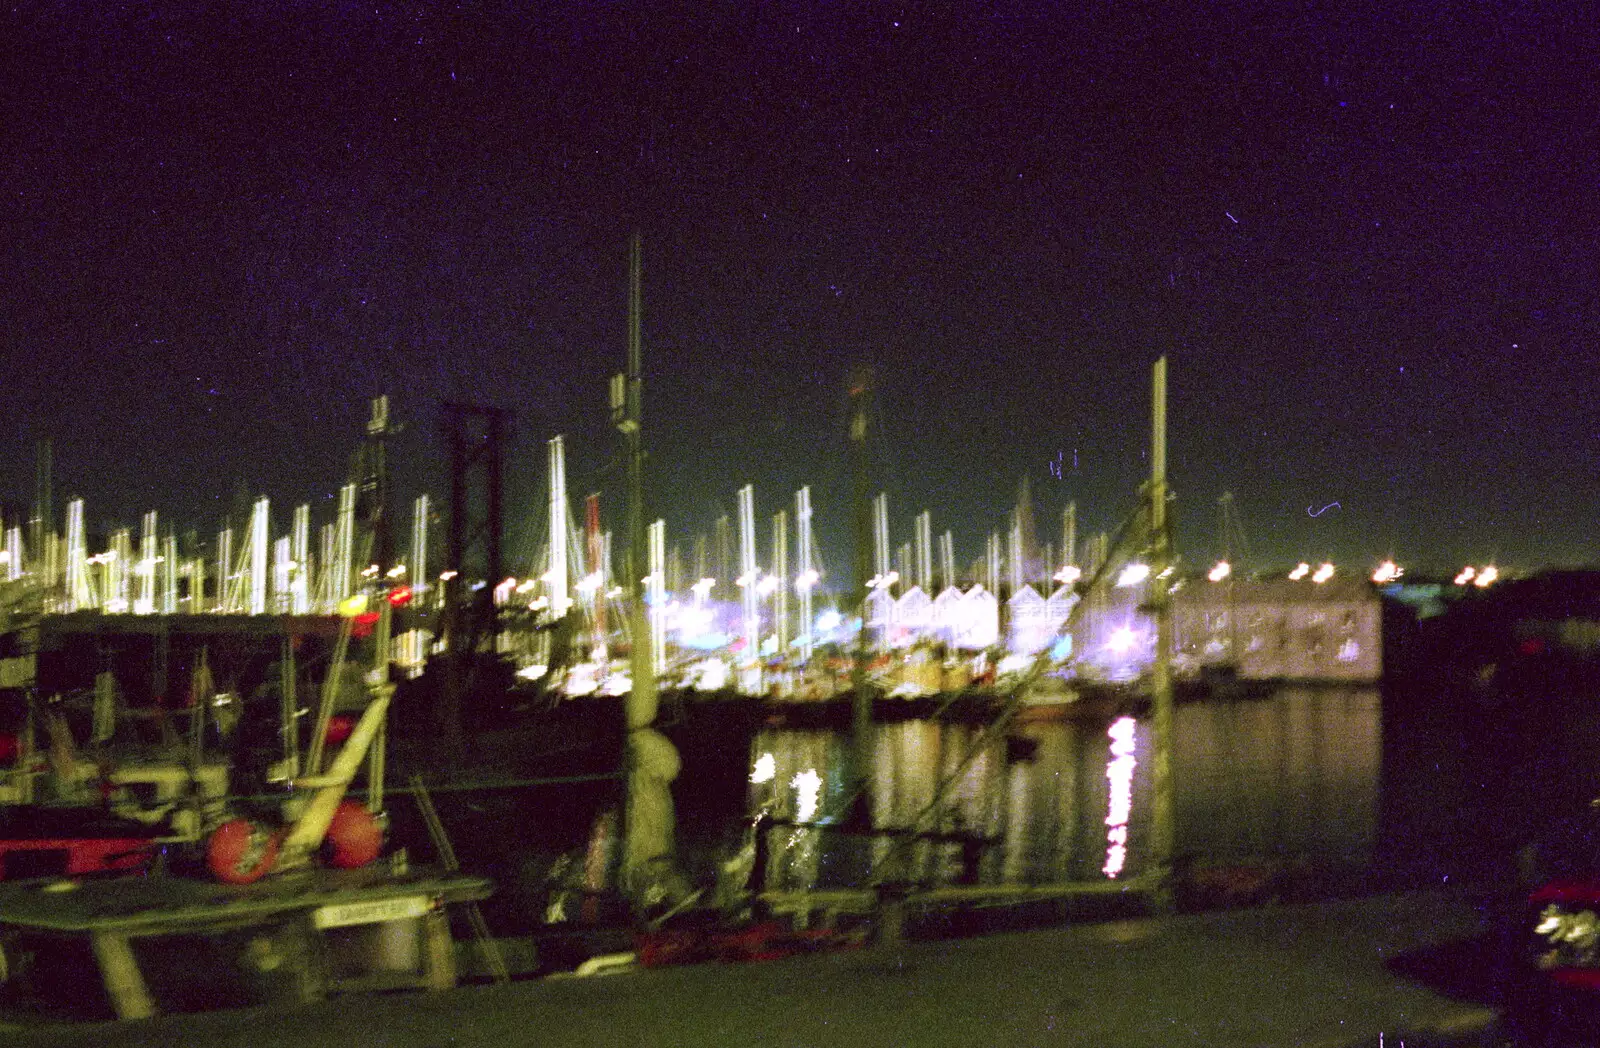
(241,851)
(354,836)
(10,746)
(340,725)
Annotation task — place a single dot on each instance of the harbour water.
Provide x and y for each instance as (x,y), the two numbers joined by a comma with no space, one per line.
(1292,777)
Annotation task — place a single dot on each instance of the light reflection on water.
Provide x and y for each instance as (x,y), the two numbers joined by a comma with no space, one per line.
(1294,775)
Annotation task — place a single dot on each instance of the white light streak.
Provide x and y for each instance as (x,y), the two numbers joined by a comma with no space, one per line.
(808,789)
(1119,777)
(1133,574)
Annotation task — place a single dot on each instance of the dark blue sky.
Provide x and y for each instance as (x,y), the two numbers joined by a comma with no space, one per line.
(1365,237)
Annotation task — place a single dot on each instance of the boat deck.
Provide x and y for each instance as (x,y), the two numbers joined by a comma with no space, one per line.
(297,907)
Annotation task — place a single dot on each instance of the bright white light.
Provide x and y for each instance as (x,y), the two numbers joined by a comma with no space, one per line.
(807,580)
(742,581)
(1068,575)
(1220,572)
(1122,641)
(1166,572)
(1133,574)
(766,768)
(1486,576)
(808,788)
(446,576)
(396,571)
(589,583)
(5,556)
(1300,572)
(1388,571)
(1465,575)
(883,581)
(829,621)
(533,672)
(618,684)
(526,585)
(1013,664)
(711,675)
(1323,574)
(1119,779)
(767,585)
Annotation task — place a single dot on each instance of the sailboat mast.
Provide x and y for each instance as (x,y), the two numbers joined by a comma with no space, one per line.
(1161,833)
(861,696)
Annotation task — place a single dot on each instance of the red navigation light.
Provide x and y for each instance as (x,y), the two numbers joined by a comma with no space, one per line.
(1531,646)
(400,595)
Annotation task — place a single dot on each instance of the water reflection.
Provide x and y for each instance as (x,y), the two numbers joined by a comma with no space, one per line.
(1063,797)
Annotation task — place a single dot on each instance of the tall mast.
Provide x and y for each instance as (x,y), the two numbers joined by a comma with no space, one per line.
(1069,537)
(780,571)
(43,524)
(925,552)
(807,577)
(1161,831)
(861,696)
(556,583)
(652,761)
(749,574)
(642,695)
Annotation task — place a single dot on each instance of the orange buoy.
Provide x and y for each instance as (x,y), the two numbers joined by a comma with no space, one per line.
(241,851)
(354,836)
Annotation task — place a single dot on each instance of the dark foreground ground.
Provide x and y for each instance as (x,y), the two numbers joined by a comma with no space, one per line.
(1379,971)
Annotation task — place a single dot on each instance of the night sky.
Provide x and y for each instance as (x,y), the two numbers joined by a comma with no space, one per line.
(1364,234)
